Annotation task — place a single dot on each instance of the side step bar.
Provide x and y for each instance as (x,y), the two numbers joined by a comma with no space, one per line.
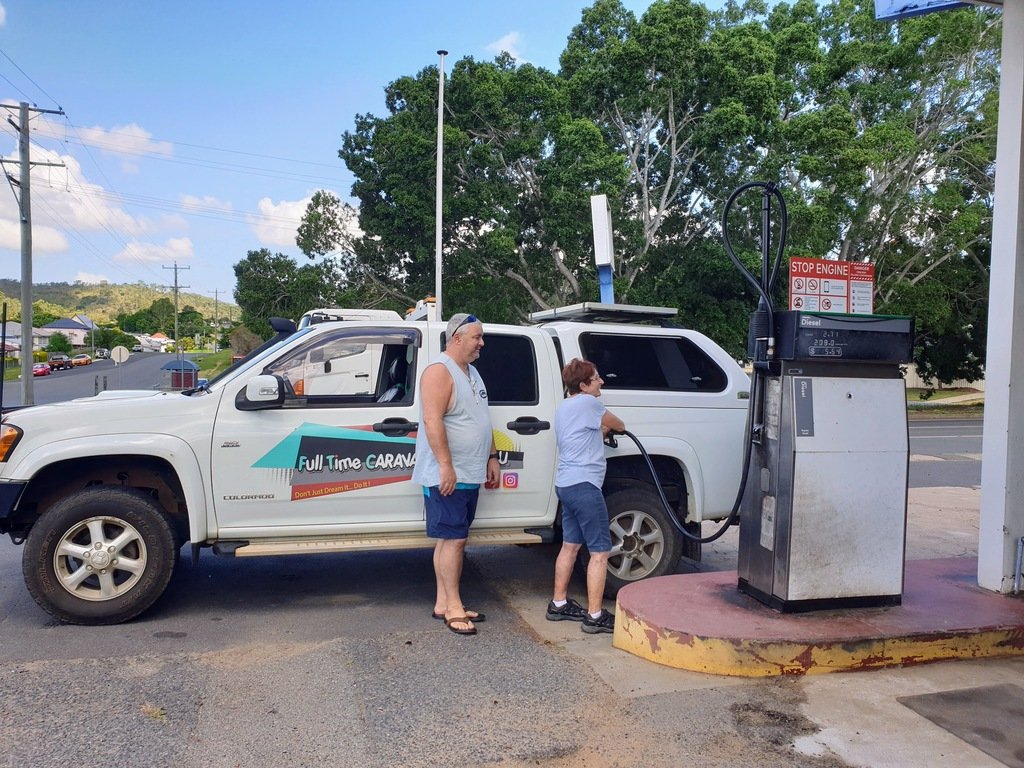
(359,543)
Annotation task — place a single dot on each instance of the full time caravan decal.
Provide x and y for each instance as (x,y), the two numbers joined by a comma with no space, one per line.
(324,460)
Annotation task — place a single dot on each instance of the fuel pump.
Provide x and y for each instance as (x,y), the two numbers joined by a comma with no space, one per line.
(823,512)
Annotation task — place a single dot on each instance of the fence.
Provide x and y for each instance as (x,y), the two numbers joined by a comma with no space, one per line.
(916,382)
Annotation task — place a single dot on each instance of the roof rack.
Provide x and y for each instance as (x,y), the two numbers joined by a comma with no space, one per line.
(589,312)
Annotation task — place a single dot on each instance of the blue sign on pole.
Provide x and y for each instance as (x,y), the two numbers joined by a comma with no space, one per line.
(890,10)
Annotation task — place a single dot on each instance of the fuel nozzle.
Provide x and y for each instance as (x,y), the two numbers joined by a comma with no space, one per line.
(610,440)
(760,343)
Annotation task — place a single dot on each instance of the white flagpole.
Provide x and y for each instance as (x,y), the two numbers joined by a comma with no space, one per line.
(437,195)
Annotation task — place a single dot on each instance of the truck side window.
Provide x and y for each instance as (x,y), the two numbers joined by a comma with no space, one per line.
(508,366)
(646,362)
(351,367)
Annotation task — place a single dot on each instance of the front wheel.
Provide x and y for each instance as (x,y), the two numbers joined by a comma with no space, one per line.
(645,543)
(100,556)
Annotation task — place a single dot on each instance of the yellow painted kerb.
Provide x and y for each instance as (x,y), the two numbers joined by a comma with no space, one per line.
(750,657)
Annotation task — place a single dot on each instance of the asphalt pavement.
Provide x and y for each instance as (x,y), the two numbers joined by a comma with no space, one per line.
(334,660)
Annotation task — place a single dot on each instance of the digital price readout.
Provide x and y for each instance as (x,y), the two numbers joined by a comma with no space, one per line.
(853,338)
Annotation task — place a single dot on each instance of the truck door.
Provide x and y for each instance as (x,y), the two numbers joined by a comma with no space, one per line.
(338,454)
(520,371)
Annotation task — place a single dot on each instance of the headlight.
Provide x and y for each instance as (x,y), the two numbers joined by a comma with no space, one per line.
(9,437)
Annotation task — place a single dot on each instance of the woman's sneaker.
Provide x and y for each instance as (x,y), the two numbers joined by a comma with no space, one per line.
(571,611)
(603,623)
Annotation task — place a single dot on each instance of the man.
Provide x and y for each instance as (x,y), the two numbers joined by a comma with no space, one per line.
(581,423)
(455,453)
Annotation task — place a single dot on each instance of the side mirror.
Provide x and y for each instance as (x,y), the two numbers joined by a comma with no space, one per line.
(261,392)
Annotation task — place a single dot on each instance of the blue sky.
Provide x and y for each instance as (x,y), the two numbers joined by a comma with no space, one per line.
(196,131)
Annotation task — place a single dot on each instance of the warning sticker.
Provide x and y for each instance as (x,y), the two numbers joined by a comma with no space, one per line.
(820,285)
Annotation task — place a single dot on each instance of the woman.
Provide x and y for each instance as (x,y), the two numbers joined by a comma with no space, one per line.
(581,422)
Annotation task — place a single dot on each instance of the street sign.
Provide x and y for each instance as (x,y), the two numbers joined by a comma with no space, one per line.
(841,287)
(119,354)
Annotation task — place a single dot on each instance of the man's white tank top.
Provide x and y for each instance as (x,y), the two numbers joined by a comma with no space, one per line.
(468,426)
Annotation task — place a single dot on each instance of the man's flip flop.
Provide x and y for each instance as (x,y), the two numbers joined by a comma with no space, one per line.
(460,620)
(472,615)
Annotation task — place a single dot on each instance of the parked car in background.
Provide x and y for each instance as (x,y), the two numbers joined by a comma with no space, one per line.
(81,359)
(41,369)
(102,354)
(137,348)
(59,362)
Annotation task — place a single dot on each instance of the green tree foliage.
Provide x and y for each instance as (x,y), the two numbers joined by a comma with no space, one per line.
(273,285)
(59,343)
(888,144)
(191,322)
(108,338)
(880,135)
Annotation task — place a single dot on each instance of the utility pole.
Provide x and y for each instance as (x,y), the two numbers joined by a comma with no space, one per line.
(177,347)
(25,207)
(438,186)
(216,318)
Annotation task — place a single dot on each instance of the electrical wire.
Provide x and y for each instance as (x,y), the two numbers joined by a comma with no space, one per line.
(91,195)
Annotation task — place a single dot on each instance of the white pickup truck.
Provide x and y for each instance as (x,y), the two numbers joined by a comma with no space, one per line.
(307,447)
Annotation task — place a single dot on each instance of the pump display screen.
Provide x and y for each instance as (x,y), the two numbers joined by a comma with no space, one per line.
(860,338)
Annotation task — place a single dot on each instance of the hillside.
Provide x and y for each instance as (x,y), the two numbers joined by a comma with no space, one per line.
(104,302)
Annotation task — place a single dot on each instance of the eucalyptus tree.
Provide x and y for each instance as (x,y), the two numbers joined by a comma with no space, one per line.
(886,144)
(517,176)
(881,136)
(274,285)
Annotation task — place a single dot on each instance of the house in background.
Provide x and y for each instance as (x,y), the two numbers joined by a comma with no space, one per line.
(13,336)
(77,332)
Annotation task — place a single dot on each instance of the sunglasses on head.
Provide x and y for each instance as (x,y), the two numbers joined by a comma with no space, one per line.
(469,319)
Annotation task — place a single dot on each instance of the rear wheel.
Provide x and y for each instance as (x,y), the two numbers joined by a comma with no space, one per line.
(645,543)
(100,556)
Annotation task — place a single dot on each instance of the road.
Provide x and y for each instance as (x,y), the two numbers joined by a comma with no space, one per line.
(141,371)
(945,453)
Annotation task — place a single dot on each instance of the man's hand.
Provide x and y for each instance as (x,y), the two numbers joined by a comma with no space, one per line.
(447,484)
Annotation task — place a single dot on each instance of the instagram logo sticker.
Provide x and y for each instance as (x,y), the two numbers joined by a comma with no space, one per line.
(510,480)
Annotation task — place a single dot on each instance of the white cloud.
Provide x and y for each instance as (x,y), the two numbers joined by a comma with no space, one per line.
(127,141)
(207,202)
(63,201)
(44,239)
(177,248)
(278,223)
(90,279)
(509,43)
(3,15)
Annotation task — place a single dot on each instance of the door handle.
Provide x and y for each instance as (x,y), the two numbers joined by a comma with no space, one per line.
(528,425)
(395,427)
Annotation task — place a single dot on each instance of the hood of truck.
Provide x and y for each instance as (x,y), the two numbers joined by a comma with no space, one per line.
(116,411)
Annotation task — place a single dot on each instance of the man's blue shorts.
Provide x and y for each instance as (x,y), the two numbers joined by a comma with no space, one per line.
(449,517)
(585,516)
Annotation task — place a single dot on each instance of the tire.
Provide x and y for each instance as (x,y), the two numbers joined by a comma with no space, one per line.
(131,546)
(645,543)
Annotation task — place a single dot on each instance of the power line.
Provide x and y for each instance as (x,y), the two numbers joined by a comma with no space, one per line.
(250,170)
(27,77)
